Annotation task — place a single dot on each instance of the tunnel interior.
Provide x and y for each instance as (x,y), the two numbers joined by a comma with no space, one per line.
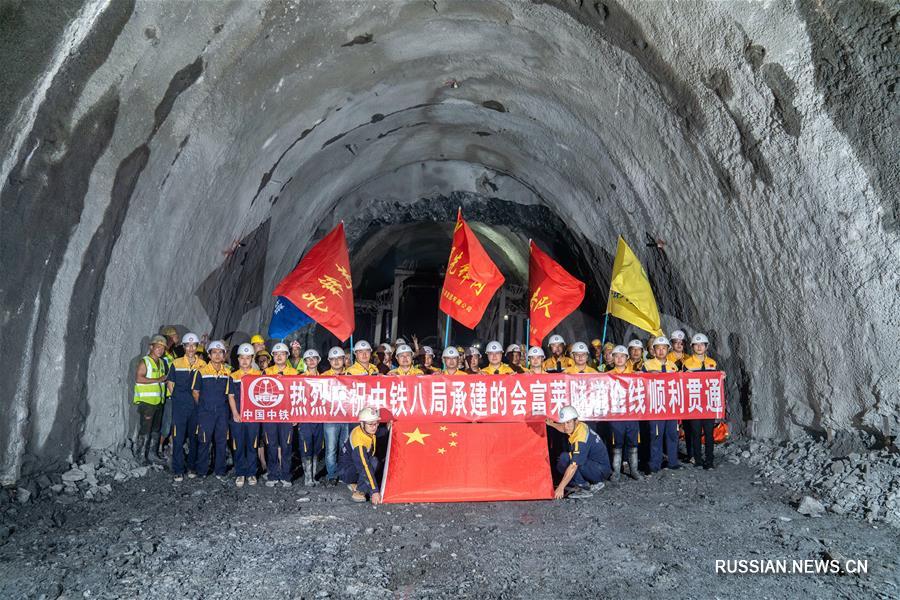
(170,163)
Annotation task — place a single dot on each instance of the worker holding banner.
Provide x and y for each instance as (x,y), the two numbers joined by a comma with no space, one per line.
(636,356)
(662,431)
(426,355)
(536,360)
(244,436)
(336,434)
(362,350)
(405,362)
(699,361)
(624,434)
(360,463)
(280,451)
(495,365)
(473,357)
(450,356)
(311,436)
(557,362)
(586,464)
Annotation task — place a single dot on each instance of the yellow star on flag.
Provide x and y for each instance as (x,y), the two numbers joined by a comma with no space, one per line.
(441,451)
(453,443)
(416,436)
(452,434)
(443,428)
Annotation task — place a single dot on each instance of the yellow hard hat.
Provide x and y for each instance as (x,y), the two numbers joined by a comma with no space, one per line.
(595,343)
(159,340)
(168,330)
(257,339)
(201,348)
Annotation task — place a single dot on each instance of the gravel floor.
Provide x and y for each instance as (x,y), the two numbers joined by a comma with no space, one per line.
(150,538)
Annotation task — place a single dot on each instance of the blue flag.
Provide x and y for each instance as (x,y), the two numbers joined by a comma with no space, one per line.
(286,319)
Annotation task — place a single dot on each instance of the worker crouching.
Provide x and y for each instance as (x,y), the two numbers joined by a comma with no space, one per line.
(586,464)
(359,466)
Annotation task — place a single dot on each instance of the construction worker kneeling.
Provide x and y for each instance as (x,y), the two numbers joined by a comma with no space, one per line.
(586,464)
(360,466)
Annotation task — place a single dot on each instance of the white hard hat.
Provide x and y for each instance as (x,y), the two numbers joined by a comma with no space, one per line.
(403,348)
(535,351)
(620,350)
(513,348)
(579,347)
(216,345)
(450,352)
(361,345)
(368,415)
(399,342)
(279,347)
(699,338)
(473,351)
(661,341)
(311,354)
(677,335)
(556,339)
(636,344)
(428,350)
(567,413)
(493,347)
(386,348)
(336,352)
(246,350)
(190,338)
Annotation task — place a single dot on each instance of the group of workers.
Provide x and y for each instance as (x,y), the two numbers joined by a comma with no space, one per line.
(188,394)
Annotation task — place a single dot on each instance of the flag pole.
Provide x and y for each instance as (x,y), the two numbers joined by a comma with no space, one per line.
(447,332)
(605,319)
(527,339)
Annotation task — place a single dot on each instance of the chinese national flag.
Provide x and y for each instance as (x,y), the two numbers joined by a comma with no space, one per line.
(465,462)
(321,287)
(554,294)
(472,278)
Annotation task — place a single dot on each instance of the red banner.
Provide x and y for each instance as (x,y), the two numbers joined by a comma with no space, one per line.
(446,462)
(320,285)
(485,398)
(554,294)
(471,279)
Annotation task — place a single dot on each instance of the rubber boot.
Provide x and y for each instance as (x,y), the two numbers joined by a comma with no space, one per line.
(633,470)
(308,480)
(315,469)
(616,465)
(158,456)
(142,449)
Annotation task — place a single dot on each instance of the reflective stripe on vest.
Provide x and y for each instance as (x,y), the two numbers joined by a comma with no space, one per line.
(150,393)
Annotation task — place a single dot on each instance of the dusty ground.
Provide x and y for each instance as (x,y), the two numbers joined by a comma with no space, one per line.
(205,539)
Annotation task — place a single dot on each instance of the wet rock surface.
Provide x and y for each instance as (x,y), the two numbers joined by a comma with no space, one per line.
(151,538)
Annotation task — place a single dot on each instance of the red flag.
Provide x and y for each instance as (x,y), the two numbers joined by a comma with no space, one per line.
(320,284)
(463,462)
(471,279)
(554,294)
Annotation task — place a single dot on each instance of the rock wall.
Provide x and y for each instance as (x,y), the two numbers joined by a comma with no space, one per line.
(141,141)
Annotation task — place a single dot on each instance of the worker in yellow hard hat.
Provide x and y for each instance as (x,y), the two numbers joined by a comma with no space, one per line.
(149,395)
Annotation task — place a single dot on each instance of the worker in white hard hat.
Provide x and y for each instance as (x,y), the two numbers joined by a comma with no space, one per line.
(426,360)
(210,389)
(150,396)
(336,434)
(310,436)
(296,357)
(624,435)
(362,457)
(495,366)
(244,436)
(636,355)
(677,354)
(586,464)
(385,354)
(279,436)
(184,407)
(580,355)
(362,351)
(536,360)
(700,361)
(514,358)
(662,432)
(405,364)
(557,362)
(450,356)
(472,360)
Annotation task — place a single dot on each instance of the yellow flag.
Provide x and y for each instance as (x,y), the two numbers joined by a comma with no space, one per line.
(630,296)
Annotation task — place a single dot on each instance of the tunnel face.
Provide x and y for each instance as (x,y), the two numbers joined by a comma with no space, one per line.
(170,162)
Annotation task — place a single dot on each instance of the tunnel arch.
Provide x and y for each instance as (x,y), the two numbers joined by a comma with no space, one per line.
(222,143)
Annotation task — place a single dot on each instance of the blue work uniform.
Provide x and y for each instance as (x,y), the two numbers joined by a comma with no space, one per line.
(311,436)
(212,416)
(244,436)
(359,463)
(662,431)
(588,451)
(184,413)
(279,437)
(624,435)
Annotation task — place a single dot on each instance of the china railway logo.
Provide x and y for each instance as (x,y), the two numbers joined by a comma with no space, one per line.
(266,392)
